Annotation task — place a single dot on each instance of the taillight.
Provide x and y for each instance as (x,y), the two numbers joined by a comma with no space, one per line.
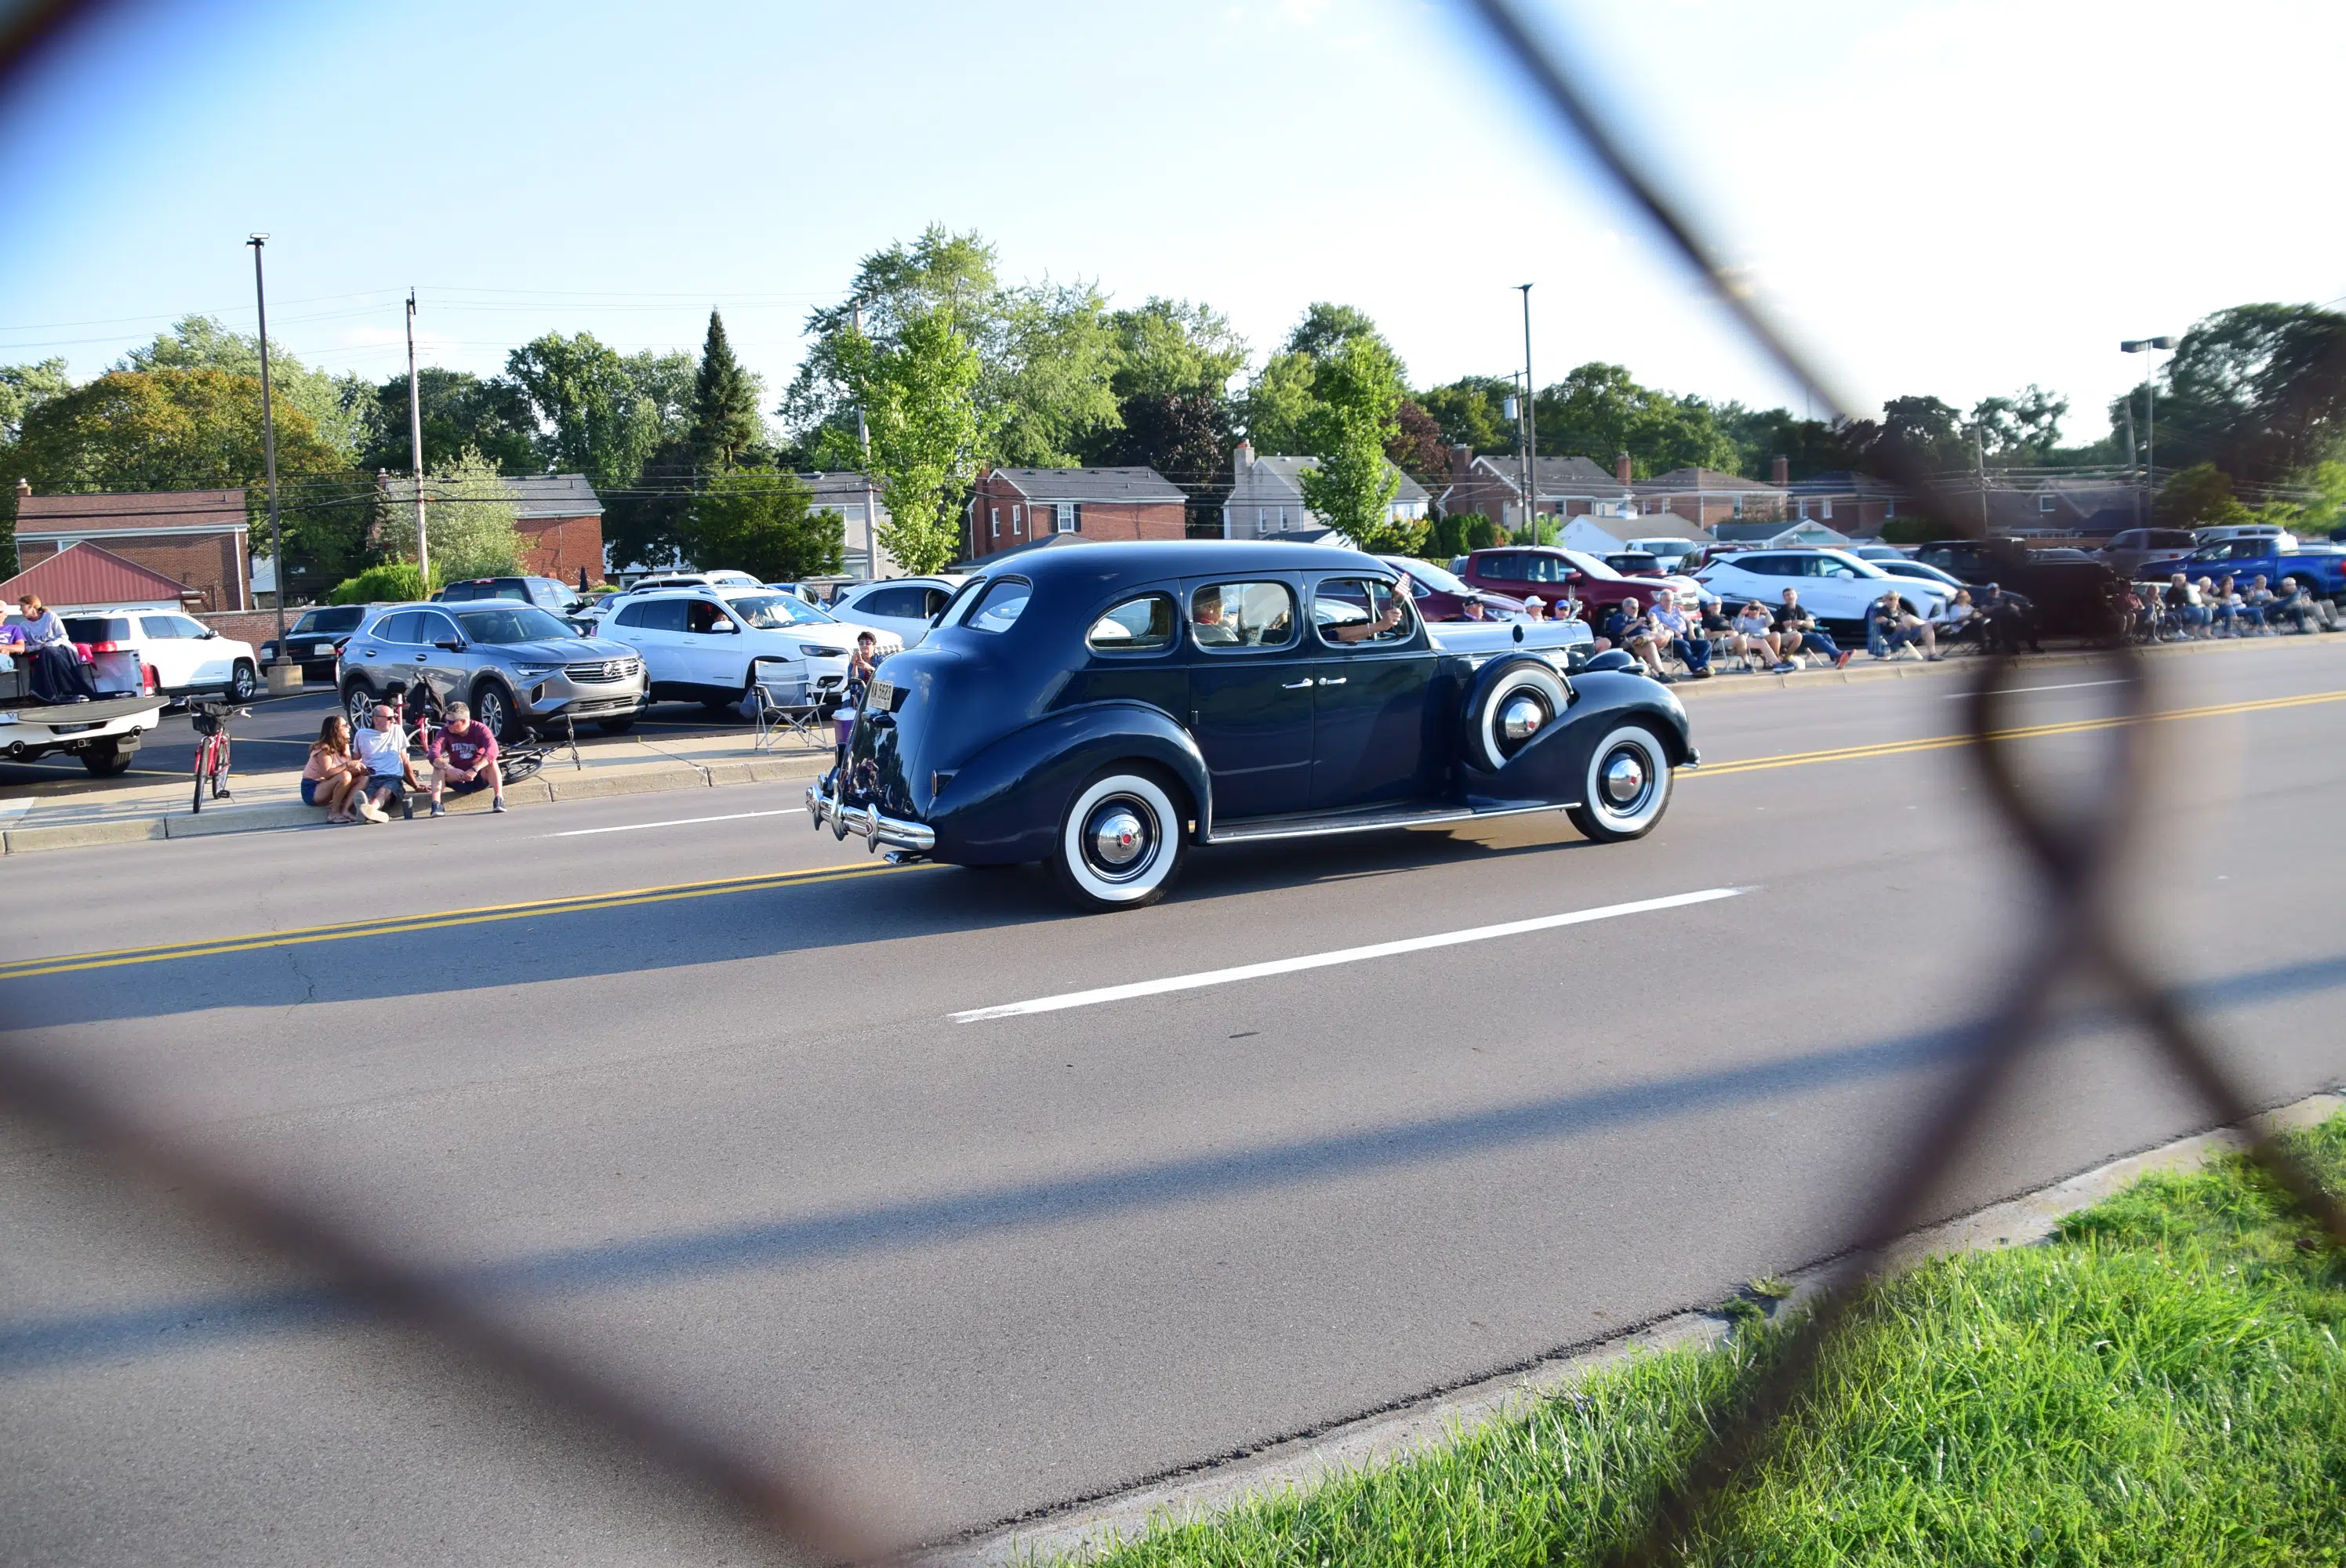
(146,680)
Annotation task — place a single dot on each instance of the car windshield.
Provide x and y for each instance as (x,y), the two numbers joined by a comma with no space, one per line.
(772,612)
(512,624)
(1592,565)
(1430,576)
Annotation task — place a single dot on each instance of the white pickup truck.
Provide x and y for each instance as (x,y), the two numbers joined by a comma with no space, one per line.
(104,733)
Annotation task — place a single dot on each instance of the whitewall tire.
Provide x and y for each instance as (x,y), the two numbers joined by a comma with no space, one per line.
(1523,702)
(1120,843)
(1627,786)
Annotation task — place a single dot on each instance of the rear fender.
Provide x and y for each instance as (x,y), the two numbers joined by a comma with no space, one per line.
(1003,805)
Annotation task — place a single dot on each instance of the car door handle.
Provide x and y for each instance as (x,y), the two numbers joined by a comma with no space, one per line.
(1303,685)
(1338,681)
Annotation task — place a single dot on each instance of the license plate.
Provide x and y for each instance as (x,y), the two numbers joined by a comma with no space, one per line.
(882,698)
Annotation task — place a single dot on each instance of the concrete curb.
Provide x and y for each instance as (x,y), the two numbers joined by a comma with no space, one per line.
(557,781)
(1389,1436)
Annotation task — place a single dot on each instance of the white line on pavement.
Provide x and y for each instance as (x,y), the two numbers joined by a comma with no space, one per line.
(673,822)
(2021,690)
(1342,955)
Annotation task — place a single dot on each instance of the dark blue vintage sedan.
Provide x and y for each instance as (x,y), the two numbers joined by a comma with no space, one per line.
(1105,707)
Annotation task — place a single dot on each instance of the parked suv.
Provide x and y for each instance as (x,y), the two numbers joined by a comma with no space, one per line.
(1553,572)
(904,605)
(184,656)
(518,667)
(1833,584)
(545,593)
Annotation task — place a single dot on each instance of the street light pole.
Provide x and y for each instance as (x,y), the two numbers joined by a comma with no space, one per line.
(415,451)
(863,443)
(1531,429)
(2150,405)
(269,441)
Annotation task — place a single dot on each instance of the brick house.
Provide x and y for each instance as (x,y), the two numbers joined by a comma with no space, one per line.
(1856,504)
(83,576)
(1012,506)
(1267,496)
(1568,487)
(560,519)
(193,538)
(1706,497)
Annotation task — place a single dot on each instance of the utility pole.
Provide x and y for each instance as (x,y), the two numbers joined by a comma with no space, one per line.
(863,443)
(2130,460)
(1531,430)
(269,439)
(1979,448)
(415,450)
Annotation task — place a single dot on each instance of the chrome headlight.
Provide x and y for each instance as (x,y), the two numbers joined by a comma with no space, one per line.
(536,671)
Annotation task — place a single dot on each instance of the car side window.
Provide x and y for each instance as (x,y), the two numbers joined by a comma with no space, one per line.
(399,628)
(432,627)
(1355,611)
(156,627)
(1546,568)
(1504,568)
(1003,602)
(1242,616)
(1143,625)
(899,604)
(701,616)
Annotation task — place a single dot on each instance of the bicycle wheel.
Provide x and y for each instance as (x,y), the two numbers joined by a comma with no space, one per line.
(203,766)
(519,764)
(220,767)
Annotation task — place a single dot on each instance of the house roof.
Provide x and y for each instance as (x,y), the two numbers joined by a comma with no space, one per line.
(1282,478)
(85,574)
(1556,477)
(1655,525)
(1843,482)
(538,495)
(1688,480)
(146,511)
(1126,484)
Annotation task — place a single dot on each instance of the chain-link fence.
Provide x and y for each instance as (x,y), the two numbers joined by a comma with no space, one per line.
(2075,856)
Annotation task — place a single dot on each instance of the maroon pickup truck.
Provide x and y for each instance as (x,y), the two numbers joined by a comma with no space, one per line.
(1554,573)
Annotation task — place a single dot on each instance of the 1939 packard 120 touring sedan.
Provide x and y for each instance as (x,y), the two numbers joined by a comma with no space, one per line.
(1106,708)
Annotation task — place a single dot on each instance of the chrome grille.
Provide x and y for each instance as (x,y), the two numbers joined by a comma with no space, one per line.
(603,669)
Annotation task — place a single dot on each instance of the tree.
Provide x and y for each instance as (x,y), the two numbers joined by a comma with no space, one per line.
(1416,446)
(2199,496)
(1278,405)
(1172,348)
(469,520)
(2260,390)
(592,412)
(759,521)
(1598,410)
(918,396)
(725,422)
(337,406)
(1922,432)
(167,429)
(1471,412)
(2024,428)
(22,389)
(1355,392)
(461,412)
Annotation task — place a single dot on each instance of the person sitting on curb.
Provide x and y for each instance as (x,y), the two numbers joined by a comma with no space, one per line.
(382,746)
(2008,620)
(2298,605)
(1799,631)
(1889,627)
(1677,634)
(2258,605)
(1755,636)
(332,777)
(464,758)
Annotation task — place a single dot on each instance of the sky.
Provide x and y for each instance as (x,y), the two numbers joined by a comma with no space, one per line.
(1954,197)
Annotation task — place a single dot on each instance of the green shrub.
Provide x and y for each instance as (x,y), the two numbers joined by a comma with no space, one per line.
(393,580)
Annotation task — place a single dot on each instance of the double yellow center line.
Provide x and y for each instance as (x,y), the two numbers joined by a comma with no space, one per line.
(27,969)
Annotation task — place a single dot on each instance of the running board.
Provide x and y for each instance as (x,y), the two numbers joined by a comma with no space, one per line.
(1305,828)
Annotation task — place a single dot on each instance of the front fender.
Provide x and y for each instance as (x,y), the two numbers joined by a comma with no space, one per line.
(1003,806)
(1551,767)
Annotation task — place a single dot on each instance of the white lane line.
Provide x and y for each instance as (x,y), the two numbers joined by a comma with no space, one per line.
(1342,955)
(674,822)
(2023,690)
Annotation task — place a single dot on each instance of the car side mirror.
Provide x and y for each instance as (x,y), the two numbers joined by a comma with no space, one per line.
(1843,573)
(449,645)
(1574,574)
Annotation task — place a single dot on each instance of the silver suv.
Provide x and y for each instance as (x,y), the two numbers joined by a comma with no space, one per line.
(518,667)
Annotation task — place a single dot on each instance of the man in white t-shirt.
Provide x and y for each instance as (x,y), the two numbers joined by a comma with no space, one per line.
(382,746)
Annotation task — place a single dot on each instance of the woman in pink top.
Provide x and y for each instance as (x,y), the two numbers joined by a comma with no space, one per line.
(332,775)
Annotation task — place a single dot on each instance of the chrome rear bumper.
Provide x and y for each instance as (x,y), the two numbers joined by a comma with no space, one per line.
(878,832)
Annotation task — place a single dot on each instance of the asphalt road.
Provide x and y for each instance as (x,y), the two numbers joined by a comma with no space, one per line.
(728,1144)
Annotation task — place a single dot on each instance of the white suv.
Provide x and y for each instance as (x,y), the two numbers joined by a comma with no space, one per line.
(904,605)
(1833,584)
(708,644)
(186,655)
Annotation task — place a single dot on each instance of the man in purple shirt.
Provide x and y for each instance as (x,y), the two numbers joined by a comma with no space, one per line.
(464,758)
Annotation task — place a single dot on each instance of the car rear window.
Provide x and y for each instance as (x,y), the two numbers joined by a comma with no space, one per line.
(1144,625)
(1003,601)
(98,628)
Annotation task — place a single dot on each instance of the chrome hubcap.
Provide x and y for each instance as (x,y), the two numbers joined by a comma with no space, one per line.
(1118,839)
(1521,720)
(1624,779)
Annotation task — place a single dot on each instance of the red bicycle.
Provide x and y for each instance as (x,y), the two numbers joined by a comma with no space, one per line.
(210,721)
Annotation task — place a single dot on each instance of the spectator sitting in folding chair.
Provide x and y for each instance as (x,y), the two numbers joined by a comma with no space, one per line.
(2298,605)
(2258,606)
(1798,632)
(1890,627)
(1754,636)
(1678,636)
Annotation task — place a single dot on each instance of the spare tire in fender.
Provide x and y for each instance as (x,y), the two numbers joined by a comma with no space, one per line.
(1523,701)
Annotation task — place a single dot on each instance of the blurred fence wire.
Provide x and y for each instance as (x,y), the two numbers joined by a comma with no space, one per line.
(2074,855)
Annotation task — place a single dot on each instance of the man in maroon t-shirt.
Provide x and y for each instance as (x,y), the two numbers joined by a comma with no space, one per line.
(464,758)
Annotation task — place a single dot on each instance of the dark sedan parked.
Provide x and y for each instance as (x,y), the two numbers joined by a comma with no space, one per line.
(317,638)
(519,667)
(1102,710)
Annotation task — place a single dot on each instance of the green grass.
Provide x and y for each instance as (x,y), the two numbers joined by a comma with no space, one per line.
(2163,1383)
